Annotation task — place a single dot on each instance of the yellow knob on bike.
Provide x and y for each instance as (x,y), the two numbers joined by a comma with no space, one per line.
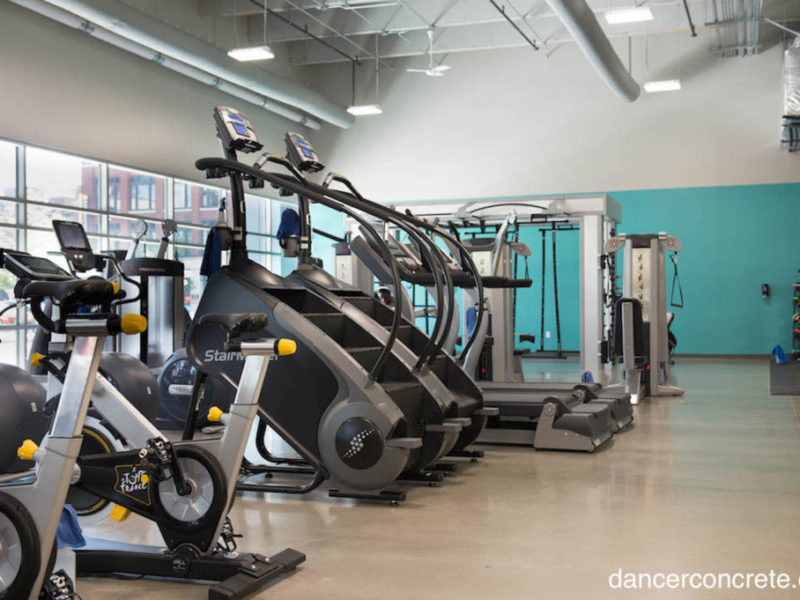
(215,414)
(115,285)
(132,324)
(36,359)
(120,513)
(286,346)
(27,450)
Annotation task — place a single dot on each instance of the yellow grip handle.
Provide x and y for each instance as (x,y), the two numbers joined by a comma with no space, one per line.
(120,513)
(132,324)
(36,359)
(27,450)
(215,414)
(115,285)
(286,346)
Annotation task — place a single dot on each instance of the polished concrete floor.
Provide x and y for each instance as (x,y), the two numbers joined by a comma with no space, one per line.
(709,483)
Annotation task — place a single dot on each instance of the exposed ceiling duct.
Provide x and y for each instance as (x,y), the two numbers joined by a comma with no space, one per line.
(184,53)
(790,131)
(737,27)
(581,23)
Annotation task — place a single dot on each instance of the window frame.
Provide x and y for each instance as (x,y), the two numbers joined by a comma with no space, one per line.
(110,200)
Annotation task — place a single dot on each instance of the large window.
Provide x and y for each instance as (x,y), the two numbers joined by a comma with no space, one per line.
(107,200)
(8,170)
(55,178)
(143,193)
(113,194)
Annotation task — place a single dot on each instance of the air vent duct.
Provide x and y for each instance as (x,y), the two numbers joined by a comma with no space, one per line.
(790,131)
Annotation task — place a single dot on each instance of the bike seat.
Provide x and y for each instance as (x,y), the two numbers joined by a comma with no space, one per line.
(94,290)
(237,323)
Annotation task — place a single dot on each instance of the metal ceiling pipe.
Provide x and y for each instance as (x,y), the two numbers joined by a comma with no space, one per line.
(145,30)
(581,23)
(41,7)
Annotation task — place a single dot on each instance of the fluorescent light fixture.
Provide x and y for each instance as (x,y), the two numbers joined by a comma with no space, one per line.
(364,110)
(666,85)
(251,53)
(634,14)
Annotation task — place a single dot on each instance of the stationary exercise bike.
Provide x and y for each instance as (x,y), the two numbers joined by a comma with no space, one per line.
(31,502)
(185,488)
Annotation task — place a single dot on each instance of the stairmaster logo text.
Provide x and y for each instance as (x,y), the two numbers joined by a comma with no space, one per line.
(220,356)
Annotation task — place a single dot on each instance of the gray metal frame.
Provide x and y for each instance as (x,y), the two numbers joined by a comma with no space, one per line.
(44,495)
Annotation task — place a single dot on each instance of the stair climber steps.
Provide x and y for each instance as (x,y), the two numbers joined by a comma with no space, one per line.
(341,329)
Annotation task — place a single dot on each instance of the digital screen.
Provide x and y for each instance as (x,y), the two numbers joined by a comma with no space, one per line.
(34,264)
(308,153)
(240,129)
(71,235)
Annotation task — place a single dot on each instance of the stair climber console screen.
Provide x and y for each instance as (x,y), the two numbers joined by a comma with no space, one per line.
(240,133)
(301,154)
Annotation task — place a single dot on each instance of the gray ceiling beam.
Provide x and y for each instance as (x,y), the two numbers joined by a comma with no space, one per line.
(463,40)
(387,21)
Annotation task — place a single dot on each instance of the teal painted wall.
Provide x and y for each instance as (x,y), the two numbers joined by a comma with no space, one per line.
(734,239)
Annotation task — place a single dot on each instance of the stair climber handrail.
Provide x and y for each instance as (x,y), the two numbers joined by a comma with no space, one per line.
(465,258)
(218,167)
(221,167)
(432,256)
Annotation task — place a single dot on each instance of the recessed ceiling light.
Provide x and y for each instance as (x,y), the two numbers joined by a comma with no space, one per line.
(634,14)
(251,53)
(364,110)
(666,85)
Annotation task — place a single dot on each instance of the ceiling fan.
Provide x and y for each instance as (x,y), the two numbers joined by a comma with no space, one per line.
(433,69)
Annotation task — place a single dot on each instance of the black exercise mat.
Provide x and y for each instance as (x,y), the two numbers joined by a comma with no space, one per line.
(784,380)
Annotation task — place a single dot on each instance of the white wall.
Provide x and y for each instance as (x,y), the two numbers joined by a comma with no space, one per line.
(515,122)
(61,88)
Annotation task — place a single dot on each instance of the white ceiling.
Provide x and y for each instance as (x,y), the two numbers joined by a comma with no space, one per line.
(309,32)
(354,28)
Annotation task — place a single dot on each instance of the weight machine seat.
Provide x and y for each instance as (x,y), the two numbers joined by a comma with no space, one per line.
(505,282)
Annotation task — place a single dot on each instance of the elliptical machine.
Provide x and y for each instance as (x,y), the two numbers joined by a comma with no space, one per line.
(31,502)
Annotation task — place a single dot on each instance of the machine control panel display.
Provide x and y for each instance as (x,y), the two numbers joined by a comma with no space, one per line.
(235,130)
(23,264)
(75,245)
(71,236)
(301,154)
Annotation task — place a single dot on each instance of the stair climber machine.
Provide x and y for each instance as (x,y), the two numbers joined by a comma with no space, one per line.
(31,501)
(344,401)
(186,488)
(640,334)
(548,416)
(451,401)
